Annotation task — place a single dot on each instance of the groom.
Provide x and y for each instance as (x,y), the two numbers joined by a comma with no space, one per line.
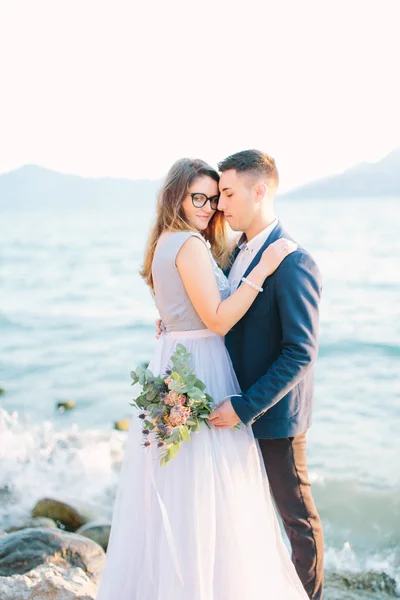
(273,349)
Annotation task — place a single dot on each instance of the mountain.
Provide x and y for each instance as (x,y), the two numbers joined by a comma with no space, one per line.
(31,185)
(363,180)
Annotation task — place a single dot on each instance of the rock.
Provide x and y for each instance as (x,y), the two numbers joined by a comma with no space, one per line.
(66,405)
(71,516)
(98,531)
(48,582)
(33,522)
(340,594)
(25,550)
(122,425)
(369,582)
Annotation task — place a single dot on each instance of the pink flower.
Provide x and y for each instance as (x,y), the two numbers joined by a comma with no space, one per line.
(178,415)
(173,398)
(168,380)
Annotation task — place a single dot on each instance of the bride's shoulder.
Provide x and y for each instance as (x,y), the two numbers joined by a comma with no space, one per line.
(171,243)
(175,235)
(176,239)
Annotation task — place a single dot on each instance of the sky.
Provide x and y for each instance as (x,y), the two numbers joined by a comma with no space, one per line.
(123,89)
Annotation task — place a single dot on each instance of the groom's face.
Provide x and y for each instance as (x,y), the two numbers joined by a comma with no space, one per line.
(237,200)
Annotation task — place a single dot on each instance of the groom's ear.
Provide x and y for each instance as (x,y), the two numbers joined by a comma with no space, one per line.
(260,191)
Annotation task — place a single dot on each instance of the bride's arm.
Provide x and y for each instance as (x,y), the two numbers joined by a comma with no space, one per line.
(195,268)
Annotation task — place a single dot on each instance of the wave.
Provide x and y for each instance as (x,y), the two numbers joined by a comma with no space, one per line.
(351,346)
(7,322)
(38,460)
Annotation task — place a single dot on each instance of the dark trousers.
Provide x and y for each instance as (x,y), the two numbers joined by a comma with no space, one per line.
(286,465)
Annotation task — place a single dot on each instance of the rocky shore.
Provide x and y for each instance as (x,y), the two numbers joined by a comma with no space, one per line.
(56,553)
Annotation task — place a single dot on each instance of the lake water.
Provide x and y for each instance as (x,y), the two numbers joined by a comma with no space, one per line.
(75,318)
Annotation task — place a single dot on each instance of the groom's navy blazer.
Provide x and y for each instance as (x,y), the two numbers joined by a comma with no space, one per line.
(274,347)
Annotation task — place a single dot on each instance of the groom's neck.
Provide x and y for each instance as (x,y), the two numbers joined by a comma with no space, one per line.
(259,223)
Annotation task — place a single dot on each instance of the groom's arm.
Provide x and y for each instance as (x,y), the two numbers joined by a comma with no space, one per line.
(298,292)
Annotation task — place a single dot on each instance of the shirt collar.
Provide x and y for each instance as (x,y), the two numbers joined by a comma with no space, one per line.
(257,241)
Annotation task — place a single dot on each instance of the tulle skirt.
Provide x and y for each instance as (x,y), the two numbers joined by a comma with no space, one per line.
(203,527)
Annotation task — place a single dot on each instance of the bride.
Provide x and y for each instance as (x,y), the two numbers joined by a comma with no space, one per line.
(203,527)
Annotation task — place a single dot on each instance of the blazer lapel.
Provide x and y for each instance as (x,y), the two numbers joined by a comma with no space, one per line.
(275,234)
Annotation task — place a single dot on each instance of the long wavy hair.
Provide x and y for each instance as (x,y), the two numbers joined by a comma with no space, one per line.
(170,215)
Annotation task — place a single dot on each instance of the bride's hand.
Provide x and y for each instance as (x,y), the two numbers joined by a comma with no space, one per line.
(159,328)
(276,253)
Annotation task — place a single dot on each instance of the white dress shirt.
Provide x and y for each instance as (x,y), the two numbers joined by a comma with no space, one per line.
(248,250)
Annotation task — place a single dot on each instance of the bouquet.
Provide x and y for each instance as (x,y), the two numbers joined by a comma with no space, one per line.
(172,406)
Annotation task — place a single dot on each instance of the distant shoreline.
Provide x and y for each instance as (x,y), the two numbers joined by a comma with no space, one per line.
(30,183)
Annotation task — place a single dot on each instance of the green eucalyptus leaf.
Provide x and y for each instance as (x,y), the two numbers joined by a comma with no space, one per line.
(196,394)
(175,435)
(185,434)
(151,395)
(174,449)
(191,381)
(200,385)
(169,453)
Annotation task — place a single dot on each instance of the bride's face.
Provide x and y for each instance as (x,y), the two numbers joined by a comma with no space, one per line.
(196,215)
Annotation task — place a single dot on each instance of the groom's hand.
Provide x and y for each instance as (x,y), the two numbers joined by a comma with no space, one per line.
(224,415)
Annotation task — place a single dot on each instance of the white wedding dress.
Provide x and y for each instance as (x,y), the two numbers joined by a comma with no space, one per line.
(203,527)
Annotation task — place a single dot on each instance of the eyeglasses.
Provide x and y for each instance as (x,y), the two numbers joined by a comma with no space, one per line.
(199,200)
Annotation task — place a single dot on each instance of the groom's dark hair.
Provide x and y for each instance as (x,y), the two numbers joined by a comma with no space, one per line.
(251,162)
